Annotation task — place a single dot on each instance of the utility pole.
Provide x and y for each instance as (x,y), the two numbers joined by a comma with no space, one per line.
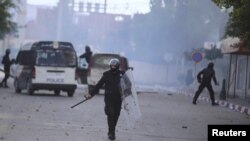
(105,6)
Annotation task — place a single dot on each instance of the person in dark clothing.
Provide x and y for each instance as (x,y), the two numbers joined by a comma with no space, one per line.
(7,63)
(87,55)
(205,81)
(113,96)
(83,72)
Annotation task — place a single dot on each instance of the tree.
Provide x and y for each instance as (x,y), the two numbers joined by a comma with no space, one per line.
(239,23)
(213,53)
(6,23)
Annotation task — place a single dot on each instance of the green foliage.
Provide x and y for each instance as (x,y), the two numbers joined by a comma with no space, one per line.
(213,54)
(6,24)
(239,21)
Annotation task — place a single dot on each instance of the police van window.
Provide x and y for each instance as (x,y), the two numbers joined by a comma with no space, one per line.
(25,58)
(103,61)
(52,57)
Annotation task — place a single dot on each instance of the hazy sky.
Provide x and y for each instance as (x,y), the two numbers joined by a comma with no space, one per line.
(115,6)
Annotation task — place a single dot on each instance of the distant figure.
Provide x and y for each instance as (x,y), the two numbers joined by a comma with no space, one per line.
(83,72)
(205,81)
(87,55)
(7,63)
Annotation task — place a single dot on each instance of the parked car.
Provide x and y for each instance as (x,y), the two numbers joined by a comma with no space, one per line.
(100,63)
(46,65)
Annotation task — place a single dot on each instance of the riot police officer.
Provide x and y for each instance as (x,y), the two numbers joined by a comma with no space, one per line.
(7,63)
(205,81)
(112,98)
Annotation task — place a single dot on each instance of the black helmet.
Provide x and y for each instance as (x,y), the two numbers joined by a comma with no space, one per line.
(210,65)
(7,51)
(87,48)
(115,63)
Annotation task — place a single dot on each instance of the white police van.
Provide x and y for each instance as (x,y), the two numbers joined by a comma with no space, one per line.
(46,65)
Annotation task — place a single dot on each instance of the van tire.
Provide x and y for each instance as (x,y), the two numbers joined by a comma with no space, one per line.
(71,93)
(16,85)
(29,88)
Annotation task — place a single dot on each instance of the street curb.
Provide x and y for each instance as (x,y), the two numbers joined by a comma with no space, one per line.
(222,103)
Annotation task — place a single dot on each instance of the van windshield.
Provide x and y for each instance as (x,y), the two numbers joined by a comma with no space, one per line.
(56,57)
(102,61)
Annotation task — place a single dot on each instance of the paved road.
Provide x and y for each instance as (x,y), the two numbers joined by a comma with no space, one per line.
(44,117)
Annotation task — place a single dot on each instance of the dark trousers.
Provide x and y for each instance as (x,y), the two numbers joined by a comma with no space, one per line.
(201,87)
(6,76)
(82,73)
(112,110)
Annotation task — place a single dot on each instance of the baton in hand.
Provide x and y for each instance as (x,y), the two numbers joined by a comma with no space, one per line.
(79,102)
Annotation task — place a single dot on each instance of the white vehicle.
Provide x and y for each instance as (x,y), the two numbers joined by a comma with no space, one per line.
(46,65)
(100,63)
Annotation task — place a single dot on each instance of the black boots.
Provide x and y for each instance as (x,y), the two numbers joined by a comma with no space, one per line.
(214,104)
(111,135)
(4,85)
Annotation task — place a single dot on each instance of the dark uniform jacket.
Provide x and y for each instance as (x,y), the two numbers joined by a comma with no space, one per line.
(111,82)
(6,62)
(87,56)
(207,75)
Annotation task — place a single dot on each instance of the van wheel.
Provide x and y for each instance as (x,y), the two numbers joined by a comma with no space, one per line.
(71,93)
(16,85)
(57,92)
(29,87)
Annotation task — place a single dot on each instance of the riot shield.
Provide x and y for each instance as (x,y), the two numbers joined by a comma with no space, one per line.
(130,105)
